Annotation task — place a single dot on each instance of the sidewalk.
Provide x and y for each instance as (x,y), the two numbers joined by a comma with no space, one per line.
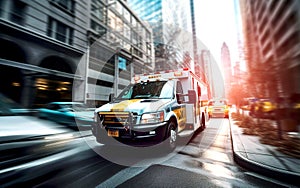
(251,154)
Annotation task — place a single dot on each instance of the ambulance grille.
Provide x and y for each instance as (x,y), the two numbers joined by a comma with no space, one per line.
(117,119)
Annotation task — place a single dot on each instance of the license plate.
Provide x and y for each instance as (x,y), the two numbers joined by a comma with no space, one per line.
(113,133)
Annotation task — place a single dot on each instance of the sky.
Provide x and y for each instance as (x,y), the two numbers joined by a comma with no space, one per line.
(216,23)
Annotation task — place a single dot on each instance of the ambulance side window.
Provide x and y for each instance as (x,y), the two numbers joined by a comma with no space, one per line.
(179,90)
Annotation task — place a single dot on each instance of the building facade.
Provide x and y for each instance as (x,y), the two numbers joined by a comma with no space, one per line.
(68,50)
(42,43)
(272,40)
(121,45)
(171,23)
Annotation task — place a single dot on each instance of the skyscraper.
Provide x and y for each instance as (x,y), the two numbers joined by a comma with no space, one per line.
(226,62)
(172,30)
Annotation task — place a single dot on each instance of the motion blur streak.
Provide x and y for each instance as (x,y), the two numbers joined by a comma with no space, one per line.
(42,161)
(62,136)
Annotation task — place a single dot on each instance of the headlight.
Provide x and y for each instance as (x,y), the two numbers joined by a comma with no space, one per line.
(95,116)
(152,117)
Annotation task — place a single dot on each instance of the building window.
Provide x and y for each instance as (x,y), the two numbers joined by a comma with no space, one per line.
(127,15)
(119,7)
(119,26)
(149,48)
(127,31)
(98,28)
(65,4)
(112,20)
(134,37)
(60,31)
(17,13)
(133,21)
(98,10)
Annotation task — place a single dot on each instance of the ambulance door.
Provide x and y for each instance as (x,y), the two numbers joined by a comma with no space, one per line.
(180,111)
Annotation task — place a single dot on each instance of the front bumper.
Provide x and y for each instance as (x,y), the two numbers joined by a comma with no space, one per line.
(130,133)
(219,114)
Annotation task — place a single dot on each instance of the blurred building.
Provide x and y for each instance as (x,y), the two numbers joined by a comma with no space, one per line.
(207,61)
(239,76)
(227,70)
(117,38)
(42,43)
(68,50)
(272,40)
(172,31)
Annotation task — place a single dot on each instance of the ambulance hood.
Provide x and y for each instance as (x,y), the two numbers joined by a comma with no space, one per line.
(138,106)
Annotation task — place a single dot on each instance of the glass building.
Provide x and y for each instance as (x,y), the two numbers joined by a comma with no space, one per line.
(172,30)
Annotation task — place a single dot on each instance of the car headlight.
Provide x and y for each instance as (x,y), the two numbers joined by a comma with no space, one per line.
(97,117)
(156,117)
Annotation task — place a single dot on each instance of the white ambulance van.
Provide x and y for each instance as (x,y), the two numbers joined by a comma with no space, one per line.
(154,108)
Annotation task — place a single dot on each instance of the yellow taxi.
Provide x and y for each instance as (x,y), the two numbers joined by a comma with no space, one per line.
(264,108)
(218,108)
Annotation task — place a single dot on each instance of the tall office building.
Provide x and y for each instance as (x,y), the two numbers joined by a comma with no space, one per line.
(42,44)
(172,30)
(227,71)
(121,45)
(68,50)
(272,35)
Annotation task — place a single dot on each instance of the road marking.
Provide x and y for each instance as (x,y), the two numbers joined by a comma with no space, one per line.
(122,176)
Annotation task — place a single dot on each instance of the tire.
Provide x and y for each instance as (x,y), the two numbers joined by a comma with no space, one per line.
(203,126)
(171,136)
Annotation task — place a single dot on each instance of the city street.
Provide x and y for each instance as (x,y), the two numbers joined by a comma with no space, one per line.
(141,93)
(71,159)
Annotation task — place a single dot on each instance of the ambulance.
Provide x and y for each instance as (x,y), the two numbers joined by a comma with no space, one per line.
(154,108)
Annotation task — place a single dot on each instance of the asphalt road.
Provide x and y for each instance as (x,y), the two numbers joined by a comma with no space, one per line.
(71,161)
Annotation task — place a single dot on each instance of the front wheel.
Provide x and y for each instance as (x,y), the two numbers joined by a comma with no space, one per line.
(203,126)
(171,137)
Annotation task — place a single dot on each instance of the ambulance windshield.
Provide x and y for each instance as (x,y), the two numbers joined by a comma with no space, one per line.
(148,90)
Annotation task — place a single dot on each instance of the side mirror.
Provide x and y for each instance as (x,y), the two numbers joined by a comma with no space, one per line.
(111,97)
(192,96)
(179,98)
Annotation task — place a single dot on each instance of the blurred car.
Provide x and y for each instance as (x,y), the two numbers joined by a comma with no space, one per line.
(263,108)
(16,123)
(72,114)
(218,108)
(247,102)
